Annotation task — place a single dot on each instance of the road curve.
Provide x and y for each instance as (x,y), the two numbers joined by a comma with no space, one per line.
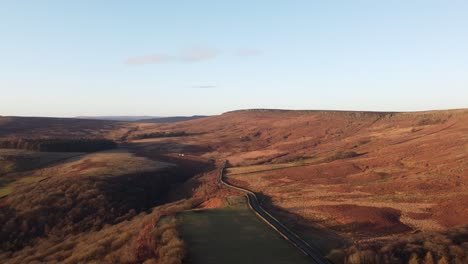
(287,234)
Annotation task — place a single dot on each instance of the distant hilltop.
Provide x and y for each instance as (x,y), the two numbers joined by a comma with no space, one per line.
(146,119)
(170,119)
(118,118)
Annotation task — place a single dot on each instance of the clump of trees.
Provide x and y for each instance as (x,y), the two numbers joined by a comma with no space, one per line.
(159,241)
(59,145)
(428,121)
(65,206)
(149,237)
(343,155)
(161,135)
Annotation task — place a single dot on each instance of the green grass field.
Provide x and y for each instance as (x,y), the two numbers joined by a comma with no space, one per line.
(234,234)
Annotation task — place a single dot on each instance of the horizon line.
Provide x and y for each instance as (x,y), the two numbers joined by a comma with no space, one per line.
(237,110)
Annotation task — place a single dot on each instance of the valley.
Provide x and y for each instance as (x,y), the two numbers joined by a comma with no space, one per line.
(356,186)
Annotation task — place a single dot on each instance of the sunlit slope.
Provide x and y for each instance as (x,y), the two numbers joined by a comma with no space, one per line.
(364,175)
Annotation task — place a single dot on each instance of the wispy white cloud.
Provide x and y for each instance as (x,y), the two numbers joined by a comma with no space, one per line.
(204,86)
(188,56)
(150,59)
(191,55)
(199,54)
(248,52)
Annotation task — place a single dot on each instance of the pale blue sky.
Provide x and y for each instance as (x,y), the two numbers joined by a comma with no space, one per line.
(70,58)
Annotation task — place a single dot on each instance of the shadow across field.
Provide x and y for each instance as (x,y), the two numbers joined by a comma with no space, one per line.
(158,148)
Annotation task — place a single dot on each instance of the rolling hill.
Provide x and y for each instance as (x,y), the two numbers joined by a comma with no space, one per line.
(170,119)
(370,177)
(361,187)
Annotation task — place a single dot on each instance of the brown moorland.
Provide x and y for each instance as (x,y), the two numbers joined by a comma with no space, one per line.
(364,187)
(45,127)
(371,177)
(101,207)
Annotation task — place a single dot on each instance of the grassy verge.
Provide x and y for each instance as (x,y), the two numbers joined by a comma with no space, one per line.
(234,234)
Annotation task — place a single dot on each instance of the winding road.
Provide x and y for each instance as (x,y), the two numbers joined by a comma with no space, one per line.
(287,234)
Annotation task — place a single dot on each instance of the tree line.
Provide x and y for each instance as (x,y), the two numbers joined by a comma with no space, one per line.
(59,144)
(161,135)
